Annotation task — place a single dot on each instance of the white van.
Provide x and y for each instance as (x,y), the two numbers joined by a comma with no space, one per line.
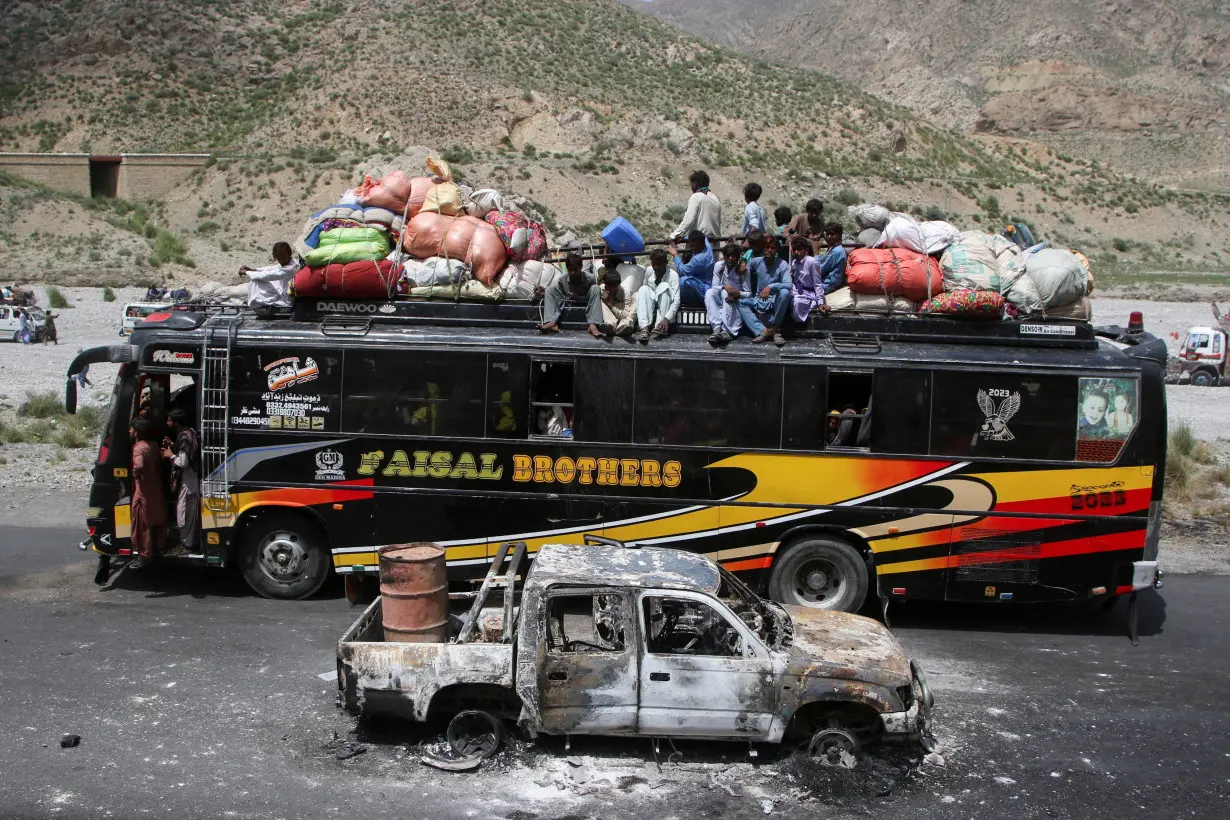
(1203,356)
(136,311)
(10,327)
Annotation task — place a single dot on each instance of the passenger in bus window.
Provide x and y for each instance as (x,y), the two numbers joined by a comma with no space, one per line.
(772,299)
(731,282)
(424,420)
(577,286)
(833,266)
(657,302)
(148,506)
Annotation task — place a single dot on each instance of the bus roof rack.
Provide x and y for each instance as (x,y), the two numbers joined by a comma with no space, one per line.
(850,329)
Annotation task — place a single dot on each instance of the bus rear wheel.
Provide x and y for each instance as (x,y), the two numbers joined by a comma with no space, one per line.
(285,556)
(820,573)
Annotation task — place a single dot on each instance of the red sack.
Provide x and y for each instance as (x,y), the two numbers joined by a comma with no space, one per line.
(894,272)
(354,280)
(532,244)
(466,238)
(392,191)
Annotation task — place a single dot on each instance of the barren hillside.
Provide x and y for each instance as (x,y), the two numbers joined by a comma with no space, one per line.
(1143,85)
(578,109)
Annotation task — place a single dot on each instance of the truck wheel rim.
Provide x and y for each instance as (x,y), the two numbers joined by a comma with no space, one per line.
(834,747)
(474,733)
(818,583)
(282,557)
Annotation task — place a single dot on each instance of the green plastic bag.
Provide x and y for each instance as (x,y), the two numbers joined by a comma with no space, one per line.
(349,252)
(351,236)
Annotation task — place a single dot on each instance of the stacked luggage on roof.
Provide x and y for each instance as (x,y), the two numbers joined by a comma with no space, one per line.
(933,268)
(422,237)
(428,237)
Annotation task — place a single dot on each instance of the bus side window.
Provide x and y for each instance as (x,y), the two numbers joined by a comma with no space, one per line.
(803,417)
(708,404)
(604,412)
(551,399)
(388,392)
(849,409)
(508,379)
(900,412)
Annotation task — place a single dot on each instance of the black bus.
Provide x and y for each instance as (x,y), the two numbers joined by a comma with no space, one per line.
(907,458)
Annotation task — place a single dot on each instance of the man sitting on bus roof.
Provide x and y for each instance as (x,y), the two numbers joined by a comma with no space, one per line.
(772,299)
(696,273)
(731,282)
(266,287)
(618,303)
(833,264)
(657,301)
(577,286)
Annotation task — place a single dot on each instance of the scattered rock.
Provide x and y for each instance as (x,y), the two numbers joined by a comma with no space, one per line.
(70,741)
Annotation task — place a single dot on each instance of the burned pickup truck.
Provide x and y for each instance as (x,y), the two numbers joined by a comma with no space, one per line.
(658,643)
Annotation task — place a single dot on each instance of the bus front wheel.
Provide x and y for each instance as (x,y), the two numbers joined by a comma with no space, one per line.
(285,556)
(820,573)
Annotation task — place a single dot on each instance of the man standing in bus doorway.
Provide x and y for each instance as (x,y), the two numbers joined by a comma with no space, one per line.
(185,458)
(148,510)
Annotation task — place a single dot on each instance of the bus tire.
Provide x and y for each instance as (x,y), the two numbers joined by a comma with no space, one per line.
(820,573)
(285,556)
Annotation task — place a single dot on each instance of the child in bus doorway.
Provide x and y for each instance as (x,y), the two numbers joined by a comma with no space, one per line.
(149,506)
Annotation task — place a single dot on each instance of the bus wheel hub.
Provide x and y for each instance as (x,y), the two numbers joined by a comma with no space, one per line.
(817,580)
(282,557)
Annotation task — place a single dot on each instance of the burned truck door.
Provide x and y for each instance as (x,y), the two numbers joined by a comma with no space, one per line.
(702,672)
(587,679)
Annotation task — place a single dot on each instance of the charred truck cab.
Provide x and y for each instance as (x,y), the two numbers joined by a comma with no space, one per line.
(904,458)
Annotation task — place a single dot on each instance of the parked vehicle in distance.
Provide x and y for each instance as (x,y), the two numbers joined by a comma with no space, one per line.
(652,642)
(136,311)
(10,327)
(1202,356)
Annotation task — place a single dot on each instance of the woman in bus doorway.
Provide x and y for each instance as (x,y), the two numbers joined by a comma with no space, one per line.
(149,507)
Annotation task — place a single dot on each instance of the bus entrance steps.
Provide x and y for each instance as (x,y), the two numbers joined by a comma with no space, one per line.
(215,379)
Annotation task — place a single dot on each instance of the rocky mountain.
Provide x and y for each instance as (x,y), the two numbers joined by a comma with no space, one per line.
(1144,85)
(579,110)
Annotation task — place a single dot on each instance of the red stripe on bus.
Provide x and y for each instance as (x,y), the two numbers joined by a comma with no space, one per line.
(1134,501)
(750,563)
(1056,549)
(1123,590)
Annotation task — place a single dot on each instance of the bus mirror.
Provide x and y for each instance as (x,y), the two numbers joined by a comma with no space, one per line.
(70,397)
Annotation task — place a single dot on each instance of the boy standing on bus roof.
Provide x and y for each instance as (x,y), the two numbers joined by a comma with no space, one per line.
(658,298)
(754,215)
(772,299)
(576,286)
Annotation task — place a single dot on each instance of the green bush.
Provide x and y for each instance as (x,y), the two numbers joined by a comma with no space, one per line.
(56,298)
(41,406)
(848,196)
(1120,245)
(108,295)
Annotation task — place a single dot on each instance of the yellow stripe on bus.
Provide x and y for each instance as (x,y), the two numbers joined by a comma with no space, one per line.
(1028,485)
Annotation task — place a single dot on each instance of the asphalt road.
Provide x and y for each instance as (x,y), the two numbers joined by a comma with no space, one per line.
(194,698)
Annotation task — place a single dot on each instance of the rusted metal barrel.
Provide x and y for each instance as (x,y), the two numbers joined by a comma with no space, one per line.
(414,593)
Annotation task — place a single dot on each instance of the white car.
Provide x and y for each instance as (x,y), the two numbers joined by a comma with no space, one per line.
(135,312)
(10,326)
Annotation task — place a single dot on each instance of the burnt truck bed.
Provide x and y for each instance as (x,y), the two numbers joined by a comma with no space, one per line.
(404,679)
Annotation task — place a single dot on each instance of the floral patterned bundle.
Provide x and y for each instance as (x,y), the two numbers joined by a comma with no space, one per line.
(523,239)
(974,304)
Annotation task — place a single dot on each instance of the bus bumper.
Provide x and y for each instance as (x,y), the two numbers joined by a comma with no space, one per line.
(1146,575)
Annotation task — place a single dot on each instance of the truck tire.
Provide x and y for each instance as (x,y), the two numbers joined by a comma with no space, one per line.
(820,573)
(284,556)
(1204,378)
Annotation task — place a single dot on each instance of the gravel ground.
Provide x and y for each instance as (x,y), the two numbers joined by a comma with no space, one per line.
(51,483)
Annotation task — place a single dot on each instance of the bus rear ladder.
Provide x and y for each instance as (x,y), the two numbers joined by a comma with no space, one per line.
(215,395)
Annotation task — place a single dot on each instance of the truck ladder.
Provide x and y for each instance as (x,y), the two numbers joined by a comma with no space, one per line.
(215,396)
